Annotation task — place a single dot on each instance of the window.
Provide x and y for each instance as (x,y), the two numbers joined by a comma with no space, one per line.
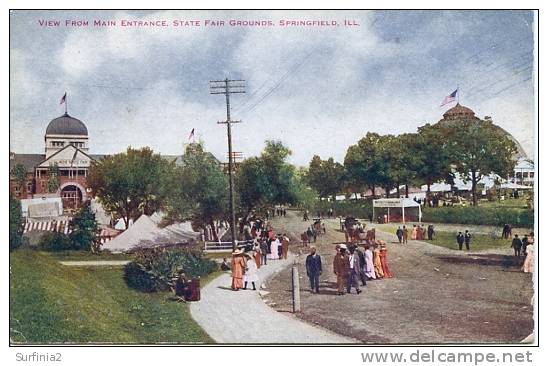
(531,175)
(77,144)
(518,175)
(57,144)
(29,187)
(525,175)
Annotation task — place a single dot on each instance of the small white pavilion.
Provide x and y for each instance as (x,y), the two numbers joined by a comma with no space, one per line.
(400,203)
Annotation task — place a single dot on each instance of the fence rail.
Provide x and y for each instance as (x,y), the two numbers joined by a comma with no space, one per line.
(223,246)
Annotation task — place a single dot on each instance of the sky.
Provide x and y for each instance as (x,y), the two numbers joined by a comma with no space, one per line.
(318,89)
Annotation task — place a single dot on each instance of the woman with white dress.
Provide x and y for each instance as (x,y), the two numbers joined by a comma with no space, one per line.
(274,244)
(250,272)
(528,265)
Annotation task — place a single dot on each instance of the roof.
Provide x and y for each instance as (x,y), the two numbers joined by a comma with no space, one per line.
(29,161)
(459,112)
(66,125)
(395,202)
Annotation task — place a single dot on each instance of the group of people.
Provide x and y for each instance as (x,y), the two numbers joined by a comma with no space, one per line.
(266,245)
(465,238)
(417,233)
(351,265)
(525,246)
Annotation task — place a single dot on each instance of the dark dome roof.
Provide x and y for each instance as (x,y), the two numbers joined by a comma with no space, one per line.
(66,125)
(459,112)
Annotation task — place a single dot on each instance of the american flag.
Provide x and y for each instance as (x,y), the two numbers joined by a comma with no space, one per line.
(63,98)
(450,98)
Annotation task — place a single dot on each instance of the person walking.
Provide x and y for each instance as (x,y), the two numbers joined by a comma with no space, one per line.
(430,232)
(460,240)
(399,234)
(528,265)
(369,267)
(353,270)
(405,234)
(314,269)
(264,250)
(250,272)
(238,268)
(524,243)
(285,246)
(516,244)
(384,260)
(341,268)
(361,256)
(467,239)
(377,261)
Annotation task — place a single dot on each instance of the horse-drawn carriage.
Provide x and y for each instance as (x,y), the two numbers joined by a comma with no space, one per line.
(354,231)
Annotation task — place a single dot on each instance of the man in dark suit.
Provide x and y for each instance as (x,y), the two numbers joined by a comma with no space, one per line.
(314,269)
(460,240)
(354,270)
(467,239)
(516,244)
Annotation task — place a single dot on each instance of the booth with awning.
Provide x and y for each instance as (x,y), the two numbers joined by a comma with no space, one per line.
(399,203)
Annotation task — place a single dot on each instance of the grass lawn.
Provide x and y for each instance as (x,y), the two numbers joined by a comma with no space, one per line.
(80,255)
(448,239)
(51,303)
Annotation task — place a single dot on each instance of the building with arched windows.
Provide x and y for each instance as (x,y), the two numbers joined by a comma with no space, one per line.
(66,153)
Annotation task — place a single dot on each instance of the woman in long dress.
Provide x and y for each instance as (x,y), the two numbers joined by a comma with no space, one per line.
(384,262)
(238,269)
(369,267)
(528,265)
(414,233)
(377,261)
(250,272)
(274,249)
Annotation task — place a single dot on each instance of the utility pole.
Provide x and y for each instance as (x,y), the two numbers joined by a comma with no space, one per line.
(228,87)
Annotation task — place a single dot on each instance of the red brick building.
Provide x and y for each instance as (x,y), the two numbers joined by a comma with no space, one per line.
(66,146)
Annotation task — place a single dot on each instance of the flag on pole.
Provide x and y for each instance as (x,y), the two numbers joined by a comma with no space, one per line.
(191,134)
(450,98)
(63,98)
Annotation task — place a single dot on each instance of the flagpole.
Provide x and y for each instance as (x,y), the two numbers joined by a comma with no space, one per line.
(458,94)
(66,103)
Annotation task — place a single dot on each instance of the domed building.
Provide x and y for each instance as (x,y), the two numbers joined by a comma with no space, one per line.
(66,146)
(462,113)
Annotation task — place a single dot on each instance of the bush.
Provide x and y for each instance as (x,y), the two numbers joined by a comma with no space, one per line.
(84,227)
(497,216)
(153,269)
(53,241)
(16,221)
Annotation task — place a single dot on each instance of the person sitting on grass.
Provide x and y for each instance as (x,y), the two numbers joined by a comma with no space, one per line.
(225,266)
(181,287)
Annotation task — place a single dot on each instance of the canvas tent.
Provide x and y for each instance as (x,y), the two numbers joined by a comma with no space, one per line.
(397,203)
(145,233)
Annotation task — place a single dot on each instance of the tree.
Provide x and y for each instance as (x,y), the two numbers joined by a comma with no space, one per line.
(130,183)
(84,229)
(19,173)
(433,158)
(325,176)
(478,148)
(267,180)
(16,221)
(365,162)
(199,189)
(53,178)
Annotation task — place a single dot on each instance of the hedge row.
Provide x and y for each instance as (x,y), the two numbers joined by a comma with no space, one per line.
(498,216)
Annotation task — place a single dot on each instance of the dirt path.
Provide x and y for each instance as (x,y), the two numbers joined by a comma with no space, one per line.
(438,295)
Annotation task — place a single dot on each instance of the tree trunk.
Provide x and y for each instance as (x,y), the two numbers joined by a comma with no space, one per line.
(213,229)
(474,183)
(387,190)
(398,189)
(372,188)
(407,191)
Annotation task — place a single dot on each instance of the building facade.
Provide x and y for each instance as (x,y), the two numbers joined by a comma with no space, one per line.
(66,154)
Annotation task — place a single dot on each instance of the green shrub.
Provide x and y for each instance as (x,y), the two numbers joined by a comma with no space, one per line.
(16,220)
(153,269)
(84,228)
(53,241)
(497,216)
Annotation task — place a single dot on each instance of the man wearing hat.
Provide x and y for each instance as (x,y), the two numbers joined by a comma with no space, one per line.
(238,269)
(353,270)
(314,269)
(341,268)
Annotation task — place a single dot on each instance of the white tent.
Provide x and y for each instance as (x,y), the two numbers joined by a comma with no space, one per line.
(397,203)
(145,233)
(510,185)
